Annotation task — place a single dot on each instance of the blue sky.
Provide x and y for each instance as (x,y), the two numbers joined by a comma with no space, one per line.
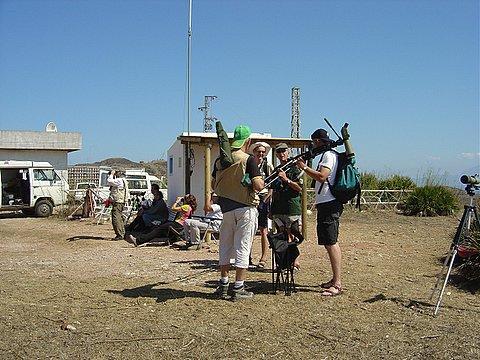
(404,74)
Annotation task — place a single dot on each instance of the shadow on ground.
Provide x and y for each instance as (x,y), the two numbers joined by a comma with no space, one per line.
(423,306)
(88,237)
(13,215)
(200,263)
(160,294)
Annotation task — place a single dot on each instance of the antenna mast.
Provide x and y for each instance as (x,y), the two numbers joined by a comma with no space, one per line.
(208,120)
(189,55)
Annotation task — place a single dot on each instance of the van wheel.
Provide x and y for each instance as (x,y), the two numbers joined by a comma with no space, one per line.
(43,208)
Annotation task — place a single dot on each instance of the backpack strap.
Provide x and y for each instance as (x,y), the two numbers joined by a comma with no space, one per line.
(318,168)
(336,174)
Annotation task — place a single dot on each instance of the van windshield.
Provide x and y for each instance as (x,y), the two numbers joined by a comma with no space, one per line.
(137,184)
(134,176)
(45,174)
(82,186)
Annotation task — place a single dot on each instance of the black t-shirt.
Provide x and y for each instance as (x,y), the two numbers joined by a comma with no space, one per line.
(227,204)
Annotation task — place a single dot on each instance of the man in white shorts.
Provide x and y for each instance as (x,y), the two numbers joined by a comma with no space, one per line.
(236,188)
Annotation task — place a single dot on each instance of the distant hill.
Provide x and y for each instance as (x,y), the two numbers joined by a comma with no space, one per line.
(154,167)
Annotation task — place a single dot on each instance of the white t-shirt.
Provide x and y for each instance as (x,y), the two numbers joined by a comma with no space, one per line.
(216,213)
(329,159)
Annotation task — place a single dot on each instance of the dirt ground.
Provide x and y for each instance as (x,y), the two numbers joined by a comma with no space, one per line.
(156,302)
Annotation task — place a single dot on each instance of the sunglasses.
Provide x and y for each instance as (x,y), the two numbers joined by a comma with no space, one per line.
(279,151)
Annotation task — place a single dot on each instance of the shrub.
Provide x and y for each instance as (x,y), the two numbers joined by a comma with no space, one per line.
(397,182)
(369,181)
(431,200)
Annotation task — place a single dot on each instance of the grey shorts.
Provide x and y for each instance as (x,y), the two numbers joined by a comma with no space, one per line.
(286,220)
(328,220)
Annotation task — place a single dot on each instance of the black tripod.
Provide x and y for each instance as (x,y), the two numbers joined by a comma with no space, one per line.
(469,220)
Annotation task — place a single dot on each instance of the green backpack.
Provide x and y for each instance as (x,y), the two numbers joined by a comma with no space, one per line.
(347,180)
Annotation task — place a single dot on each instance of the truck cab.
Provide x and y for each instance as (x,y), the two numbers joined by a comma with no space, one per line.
(31,186)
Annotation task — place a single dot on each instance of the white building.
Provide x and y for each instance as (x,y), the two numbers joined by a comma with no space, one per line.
(50,146)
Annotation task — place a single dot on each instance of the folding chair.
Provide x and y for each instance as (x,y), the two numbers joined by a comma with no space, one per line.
(102,213)
(209,230)
(283,260)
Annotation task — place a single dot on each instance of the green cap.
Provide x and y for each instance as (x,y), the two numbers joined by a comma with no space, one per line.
(240,135)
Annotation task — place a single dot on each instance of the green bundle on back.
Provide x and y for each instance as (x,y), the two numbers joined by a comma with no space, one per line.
(347,179)
(225,158)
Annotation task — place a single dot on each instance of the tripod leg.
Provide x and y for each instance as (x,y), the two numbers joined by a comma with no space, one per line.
(440,275)
(455,242)
(437,307)
(273,273)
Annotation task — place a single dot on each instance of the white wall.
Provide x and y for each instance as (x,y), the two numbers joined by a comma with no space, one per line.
(175,173)
(176,176)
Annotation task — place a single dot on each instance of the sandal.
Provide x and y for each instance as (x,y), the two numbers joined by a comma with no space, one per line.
(327,284)
(296,267)
(333,290)
(261,264)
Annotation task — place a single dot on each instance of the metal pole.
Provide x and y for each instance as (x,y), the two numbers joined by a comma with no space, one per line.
(304,197)
(208,182)
(189,55)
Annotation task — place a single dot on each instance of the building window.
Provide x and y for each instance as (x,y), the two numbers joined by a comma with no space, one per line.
(170,165)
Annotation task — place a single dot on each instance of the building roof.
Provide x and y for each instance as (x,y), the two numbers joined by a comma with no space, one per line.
(211,138)
(40,140)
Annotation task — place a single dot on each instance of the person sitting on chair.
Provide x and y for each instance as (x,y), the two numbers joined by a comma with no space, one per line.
(184,208)
(156,212)
(212,221)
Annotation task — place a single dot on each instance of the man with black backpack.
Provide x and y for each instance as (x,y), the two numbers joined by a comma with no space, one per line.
(329,209)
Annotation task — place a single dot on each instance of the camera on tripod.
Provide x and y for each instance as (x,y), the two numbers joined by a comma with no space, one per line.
(470,180)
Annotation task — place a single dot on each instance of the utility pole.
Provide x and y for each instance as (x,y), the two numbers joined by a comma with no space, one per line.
(187,147)
(295,126)
(208,119)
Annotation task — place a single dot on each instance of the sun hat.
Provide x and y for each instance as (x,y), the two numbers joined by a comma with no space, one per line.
(280,147)
(321,134)
(240,135)
(252,147)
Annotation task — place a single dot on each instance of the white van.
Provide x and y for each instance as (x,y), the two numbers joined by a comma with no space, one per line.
(140,183)
(31,186)
(161,184)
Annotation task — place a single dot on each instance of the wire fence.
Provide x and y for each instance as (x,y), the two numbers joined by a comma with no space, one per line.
(381,199)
